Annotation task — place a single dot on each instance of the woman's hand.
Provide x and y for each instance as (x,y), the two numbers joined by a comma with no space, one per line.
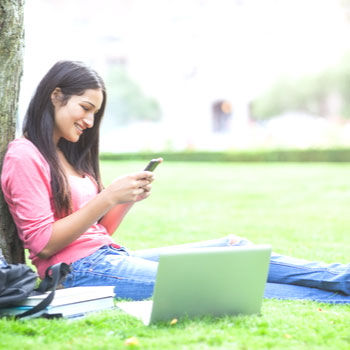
(130,188)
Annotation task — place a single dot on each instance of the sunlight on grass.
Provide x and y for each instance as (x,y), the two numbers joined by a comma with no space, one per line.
(300,209)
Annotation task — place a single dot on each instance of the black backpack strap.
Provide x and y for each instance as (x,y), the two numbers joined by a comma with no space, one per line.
(54,275)
(50,282)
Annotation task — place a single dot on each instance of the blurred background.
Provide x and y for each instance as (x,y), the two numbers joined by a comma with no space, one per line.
(203,74)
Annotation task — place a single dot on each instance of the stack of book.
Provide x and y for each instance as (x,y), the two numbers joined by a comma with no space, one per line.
(68,302)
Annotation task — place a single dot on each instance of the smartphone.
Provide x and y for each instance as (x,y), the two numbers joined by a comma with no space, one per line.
(153,164)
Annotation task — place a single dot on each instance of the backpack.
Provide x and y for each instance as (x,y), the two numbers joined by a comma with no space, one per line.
(18,281)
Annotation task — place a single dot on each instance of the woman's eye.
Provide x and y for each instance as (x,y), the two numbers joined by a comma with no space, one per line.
(85,108)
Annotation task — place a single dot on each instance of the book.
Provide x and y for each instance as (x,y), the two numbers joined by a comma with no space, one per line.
(70,295)
(79,309)
(68,302)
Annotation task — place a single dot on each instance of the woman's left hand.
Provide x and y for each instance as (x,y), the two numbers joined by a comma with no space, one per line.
(146,189)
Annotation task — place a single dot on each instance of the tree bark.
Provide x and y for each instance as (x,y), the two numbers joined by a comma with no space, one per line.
(11,66)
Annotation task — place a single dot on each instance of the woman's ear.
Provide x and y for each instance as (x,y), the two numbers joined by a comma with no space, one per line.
(56,96)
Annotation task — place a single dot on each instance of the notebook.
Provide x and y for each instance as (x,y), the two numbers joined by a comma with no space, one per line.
(68,302)
(205,281)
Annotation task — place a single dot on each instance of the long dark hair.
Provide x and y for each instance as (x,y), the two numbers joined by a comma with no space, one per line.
(73,78)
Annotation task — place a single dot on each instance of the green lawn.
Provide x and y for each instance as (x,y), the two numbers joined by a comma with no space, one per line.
(301,209)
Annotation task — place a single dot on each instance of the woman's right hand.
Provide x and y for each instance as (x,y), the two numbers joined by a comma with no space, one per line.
(129,188)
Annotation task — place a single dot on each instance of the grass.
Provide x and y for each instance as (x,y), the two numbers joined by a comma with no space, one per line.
(301,209)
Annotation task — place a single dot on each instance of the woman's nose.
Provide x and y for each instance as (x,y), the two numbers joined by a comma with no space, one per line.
(89,120)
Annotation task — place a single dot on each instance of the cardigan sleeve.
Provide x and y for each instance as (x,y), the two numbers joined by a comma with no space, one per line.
(25,182)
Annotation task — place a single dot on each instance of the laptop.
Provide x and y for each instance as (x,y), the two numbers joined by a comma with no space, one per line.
(205,281)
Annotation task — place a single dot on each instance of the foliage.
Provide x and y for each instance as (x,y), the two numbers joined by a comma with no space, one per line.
(308,93)
(126,100)
(282,155)
(301,209)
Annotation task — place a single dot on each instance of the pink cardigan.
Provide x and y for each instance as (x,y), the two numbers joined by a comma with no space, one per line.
(25,182)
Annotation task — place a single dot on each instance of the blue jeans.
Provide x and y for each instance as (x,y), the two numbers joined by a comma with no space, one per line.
(133,273)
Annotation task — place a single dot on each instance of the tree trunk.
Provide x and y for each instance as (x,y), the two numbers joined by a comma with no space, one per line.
(11,65)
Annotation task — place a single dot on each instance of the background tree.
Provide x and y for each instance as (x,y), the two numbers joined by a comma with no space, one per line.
(127,102)
(11,66)
(308,94)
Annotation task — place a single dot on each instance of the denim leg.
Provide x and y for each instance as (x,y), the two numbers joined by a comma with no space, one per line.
(293,292)
(132,277)
(323,279)
(153,253)
(329,277)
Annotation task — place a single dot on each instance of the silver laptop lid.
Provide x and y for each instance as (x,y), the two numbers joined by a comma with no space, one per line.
(210,281)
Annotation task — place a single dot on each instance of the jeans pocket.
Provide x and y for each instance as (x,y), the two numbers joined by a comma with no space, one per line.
(90,260)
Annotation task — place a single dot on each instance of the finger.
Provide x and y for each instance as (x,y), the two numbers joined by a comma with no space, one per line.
(139,192)
(150,177)
(147,188)
(142,183)
(143,196)
(144,175)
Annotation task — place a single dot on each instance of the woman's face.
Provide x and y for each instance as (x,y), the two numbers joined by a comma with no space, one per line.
(72,118)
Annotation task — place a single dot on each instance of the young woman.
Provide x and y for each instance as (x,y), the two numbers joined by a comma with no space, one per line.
(51,182)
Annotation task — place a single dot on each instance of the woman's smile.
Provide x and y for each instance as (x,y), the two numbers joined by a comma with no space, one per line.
(80,129)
